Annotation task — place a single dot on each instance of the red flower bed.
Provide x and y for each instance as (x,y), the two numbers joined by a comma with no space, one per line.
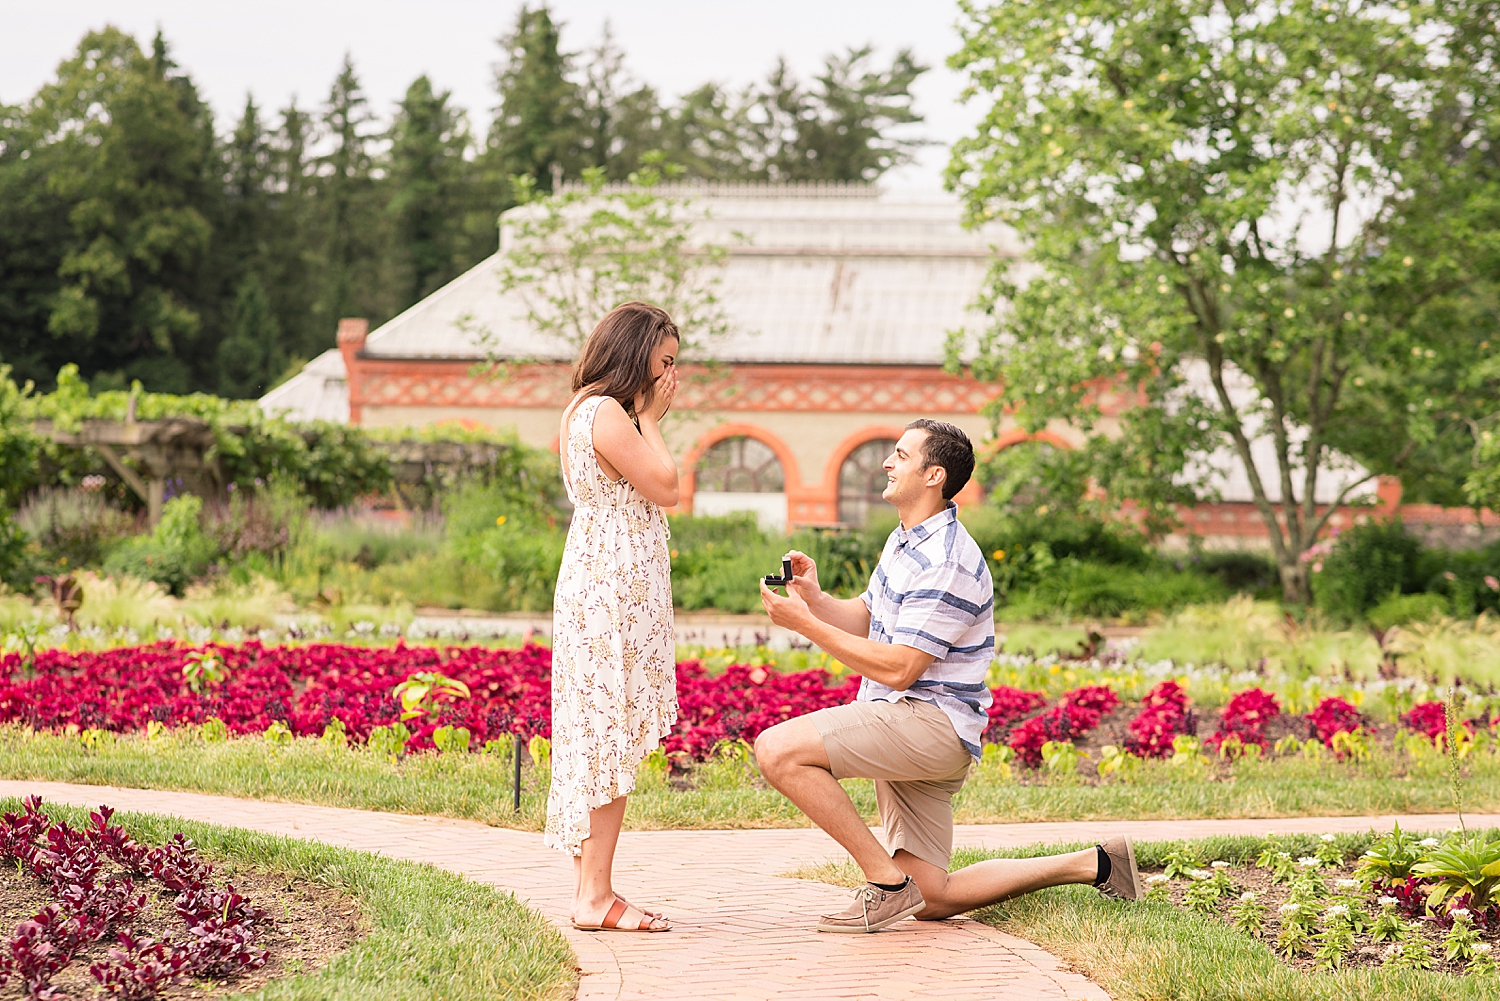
(1331,716)
(1010,705)
(1246,717)
(1430,719)
(1164,715)
(308,686)
(1076,714)
(219,928)
(743,701)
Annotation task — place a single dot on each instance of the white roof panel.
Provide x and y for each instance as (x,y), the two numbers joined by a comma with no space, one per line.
(814,275)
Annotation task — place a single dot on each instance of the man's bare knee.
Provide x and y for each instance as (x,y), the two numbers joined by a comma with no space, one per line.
(783,747)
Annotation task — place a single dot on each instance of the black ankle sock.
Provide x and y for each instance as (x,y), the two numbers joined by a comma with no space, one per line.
(891,887)
(1104,866)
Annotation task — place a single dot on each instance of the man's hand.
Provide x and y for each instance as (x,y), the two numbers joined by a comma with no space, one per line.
(804,577)
(790,612)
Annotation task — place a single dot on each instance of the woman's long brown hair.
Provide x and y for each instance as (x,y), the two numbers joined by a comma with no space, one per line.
(616,359)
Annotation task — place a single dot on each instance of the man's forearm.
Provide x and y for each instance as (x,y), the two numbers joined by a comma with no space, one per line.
(886,663)
(848,614)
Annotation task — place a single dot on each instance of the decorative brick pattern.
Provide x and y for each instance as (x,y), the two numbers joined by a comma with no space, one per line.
(840,388)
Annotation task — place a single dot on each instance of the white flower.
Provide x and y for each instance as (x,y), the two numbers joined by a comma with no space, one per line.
(1308,862)
(1247,896)
(1482,947)
(1199,873)
(1290,908)
(1387,900)
(1429,842)
(1327,838)
(1392,950)
(1459,914)
(1158,878)
(1346,884)
(1336,911)
(1220,865)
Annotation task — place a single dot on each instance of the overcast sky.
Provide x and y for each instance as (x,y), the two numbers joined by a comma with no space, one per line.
(280,48)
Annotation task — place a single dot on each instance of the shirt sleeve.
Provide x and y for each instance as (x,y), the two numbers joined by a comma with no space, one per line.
(942,604)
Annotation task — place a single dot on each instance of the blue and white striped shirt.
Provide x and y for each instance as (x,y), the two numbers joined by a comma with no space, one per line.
(932,591)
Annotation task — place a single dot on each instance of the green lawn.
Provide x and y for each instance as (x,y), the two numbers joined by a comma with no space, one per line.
(1150,951)
(729,793)
(432,934)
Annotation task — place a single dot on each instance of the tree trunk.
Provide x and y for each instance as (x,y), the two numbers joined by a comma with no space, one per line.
(1296,589)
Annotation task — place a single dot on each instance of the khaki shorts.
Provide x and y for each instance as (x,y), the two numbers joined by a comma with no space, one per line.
(910,749)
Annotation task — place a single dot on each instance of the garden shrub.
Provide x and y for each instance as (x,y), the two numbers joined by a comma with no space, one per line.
(1363,566)
(176,552)
(1469,579)
(1400,609)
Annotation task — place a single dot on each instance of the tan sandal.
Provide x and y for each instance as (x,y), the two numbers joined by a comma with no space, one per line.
(611,922)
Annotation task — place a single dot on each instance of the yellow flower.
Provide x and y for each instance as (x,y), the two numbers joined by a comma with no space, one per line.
(998,554)
(500,520)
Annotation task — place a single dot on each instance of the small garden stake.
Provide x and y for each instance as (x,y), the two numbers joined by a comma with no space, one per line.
(1455,770)
(516,788)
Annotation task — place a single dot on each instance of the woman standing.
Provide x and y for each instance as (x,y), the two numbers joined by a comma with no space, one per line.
(614,684)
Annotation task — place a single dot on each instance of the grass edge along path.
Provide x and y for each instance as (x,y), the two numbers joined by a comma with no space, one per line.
(1153,951)
(729,793)
(432,934)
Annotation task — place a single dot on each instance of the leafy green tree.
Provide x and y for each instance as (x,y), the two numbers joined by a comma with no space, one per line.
(132,157)
(576,254)
(34,229)
(1293,200)
(427,177)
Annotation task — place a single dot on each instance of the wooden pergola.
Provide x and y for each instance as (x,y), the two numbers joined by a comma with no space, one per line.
(165,449)
(178,448)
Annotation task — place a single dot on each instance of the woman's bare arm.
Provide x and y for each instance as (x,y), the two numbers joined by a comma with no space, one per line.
(641,457)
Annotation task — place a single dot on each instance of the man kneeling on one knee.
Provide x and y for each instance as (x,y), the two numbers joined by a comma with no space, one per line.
(922,636)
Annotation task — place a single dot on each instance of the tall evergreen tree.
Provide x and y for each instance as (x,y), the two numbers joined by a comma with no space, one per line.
(291,264)
(349,215)
(619,119)
(426,177)
(249,356)
(537,122)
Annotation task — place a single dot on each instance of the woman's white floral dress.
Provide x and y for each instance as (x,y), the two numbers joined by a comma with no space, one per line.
(614,681)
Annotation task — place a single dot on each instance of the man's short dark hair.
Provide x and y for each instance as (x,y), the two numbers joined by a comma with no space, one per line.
(949,447)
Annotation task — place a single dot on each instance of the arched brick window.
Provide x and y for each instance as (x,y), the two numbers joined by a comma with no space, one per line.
(740,465)
(862,480)
(741,475)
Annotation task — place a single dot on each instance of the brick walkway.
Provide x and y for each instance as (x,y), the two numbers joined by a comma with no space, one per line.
(740,932)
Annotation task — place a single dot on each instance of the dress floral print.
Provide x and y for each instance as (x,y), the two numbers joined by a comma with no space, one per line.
(614,684)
